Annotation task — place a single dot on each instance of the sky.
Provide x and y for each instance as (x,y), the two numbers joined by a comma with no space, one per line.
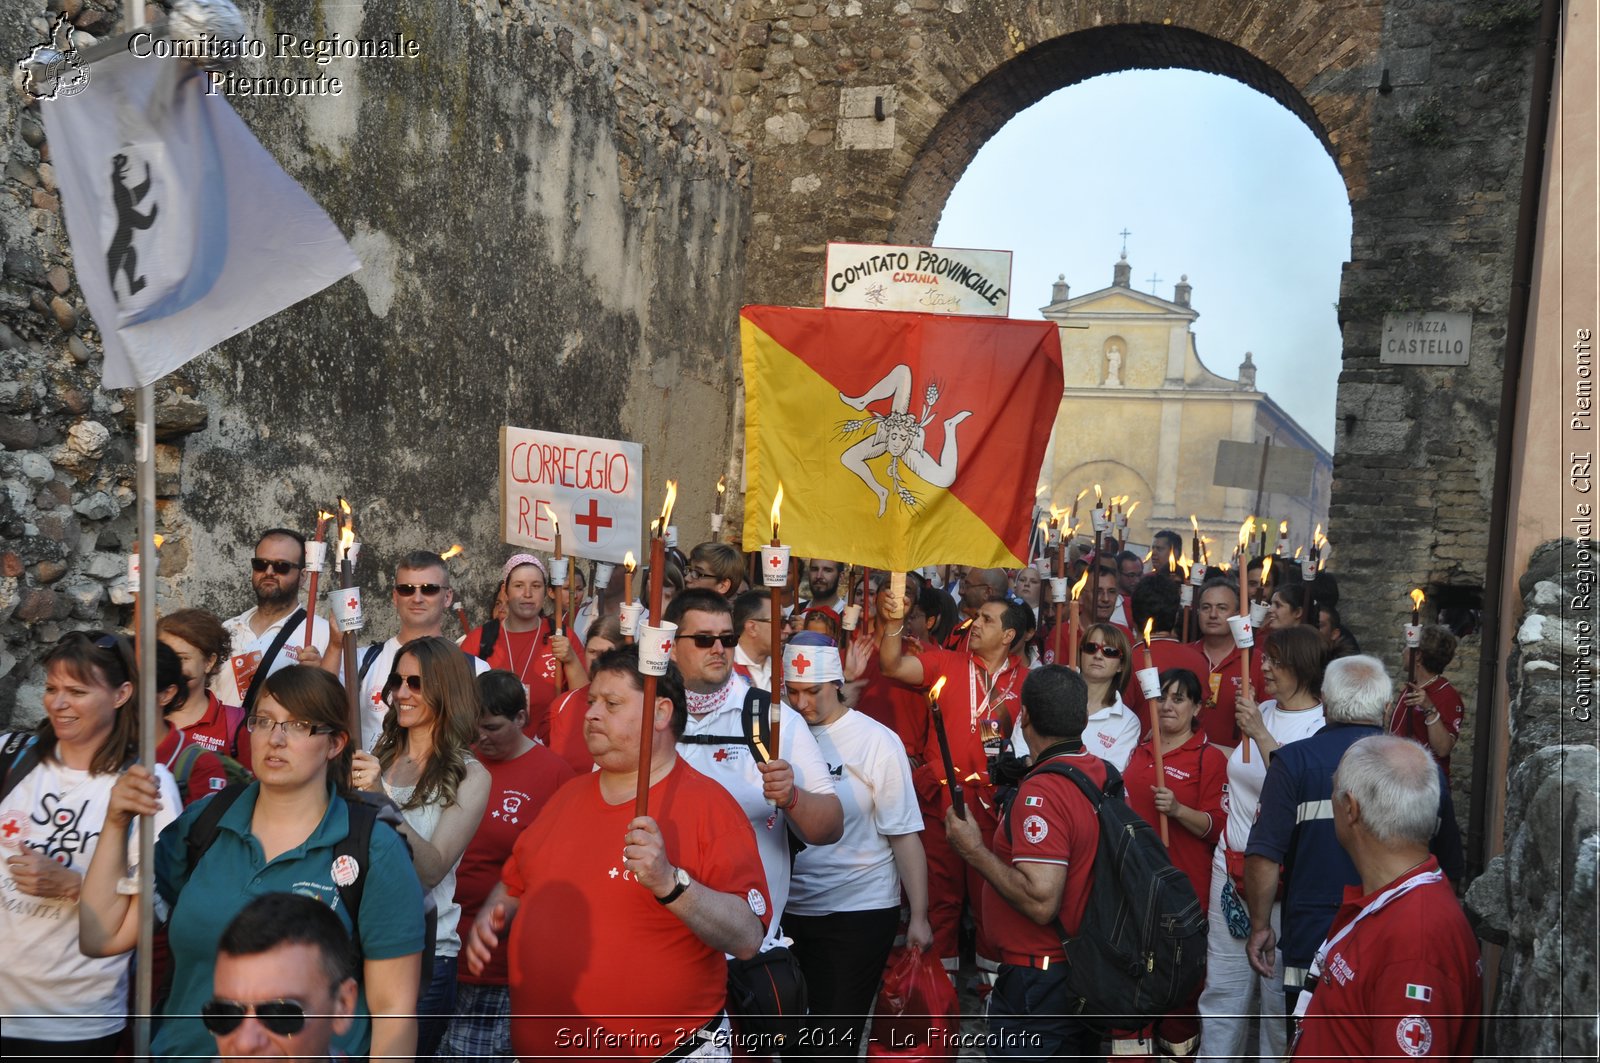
(1212,179)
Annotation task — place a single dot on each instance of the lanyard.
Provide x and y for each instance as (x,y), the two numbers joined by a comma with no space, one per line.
(1380,902)
(982,709)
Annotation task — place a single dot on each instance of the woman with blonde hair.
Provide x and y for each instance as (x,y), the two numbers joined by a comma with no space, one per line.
(1105,660)
(423,761)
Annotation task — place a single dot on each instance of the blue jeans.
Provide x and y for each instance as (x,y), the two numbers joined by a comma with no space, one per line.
(1031,1017)
(436,1005)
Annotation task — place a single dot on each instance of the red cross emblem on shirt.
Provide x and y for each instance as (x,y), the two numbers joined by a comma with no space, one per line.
(377,696)
(10,827)
(1414,1035)
(800,663)
(1034,829)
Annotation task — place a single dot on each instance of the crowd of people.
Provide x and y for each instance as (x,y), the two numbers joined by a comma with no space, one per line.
(508,852)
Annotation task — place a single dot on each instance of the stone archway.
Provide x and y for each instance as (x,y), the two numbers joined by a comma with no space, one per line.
(861,115)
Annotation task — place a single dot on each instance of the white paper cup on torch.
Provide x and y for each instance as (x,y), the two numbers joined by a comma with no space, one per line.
(655,648)
(774,566)
(672,536)
(716,523)
(1187,595)
(1244,635)
(852,617)
(1150,683)
(1413,636)
(133,571)
(1308,569)
(316,555)
(1197,574)
(1101,522)
(602,576)
(630,614)
(558,571)
(1058,589)
(1258,613)
(347,609)
(1041,565)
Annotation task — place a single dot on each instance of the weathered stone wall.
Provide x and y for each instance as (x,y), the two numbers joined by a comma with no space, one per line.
(1538,897)
(548,238)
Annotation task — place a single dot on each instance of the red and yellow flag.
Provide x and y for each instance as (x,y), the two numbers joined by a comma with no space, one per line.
(901,440)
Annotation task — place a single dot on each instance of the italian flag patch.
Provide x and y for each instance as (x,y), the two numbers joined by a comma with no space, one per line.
(1419,992)
(1033,802)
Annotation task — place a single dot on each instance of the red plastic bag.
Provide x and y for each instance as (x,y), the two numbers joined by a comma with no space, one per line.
(918,1018)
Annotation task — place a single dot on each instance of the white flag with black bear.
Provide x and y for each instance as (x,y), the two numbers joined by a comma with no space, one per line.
(184,229)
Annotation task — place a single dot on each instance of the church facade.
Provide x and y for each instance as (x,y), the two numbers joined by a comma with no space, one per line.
(1142,416)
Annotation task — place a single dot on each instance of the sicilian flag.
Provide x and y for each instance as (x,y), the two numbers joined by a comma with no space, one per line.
(901,440)
(184,230)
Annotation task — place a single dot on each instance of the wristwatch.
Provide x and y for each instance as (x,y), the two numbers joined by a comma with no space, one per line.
(680,878)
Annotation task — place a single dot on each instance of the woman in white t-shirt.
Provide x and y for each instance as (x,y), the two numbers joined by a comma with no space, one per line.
(1291,666)
(423,762)
(57,783)
(1105,659)
(844,898)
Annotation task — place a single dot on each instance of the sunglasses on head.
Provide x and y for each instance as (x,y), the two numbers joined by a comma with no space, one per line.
(1110,653)
(406,590)
(705,642)
(282,568)
(397,681)
(282,1017)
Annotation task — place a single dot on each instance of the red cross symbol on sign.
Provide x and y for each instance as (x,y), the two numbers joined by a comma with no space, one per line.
(591,522)
(800,663)
(776,561)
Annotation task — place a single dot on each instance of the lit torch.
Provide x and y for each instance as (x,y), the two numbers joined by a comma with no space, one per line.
(716,514)
(1152,694)
(658,562)
(775,661)
(1074,620)
(957,801)
(316,554)
(456,550)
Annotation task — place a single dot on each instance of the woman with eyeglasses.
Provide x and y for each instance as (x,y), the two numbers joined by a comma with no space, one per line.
(280,832)
(1105,662)
(1291,669)
(1189,793)
(54,806)
(423,761)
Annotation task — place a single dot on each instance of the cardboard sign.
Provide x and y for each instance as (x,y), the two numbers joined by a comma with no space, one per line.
(594,487)
(926,280)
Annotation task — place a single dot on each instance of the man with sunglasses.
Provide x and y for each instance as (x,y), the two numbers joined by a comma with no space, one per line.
(284,983)
(422,598)
(268,636)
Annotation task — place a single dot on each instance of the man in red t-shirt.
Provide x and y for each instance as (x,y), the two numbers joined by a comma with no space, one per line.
(523,776)
(1159,600)
(619,924)
(1430,711)
(1038,871)
(1399,974)
(979,706)
(1219,684)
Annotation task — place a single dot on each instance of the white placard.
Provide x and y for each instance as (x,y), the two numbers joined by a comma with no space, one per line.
(1426,339)
(594,486)
(928,280)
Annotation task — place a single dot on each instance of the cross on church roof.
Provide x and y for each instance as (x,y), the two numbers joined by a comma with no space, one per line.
(1124,234)
(1153,281)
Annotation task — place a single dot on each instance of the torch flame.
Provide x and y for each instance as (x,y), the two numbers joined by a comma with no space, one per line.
(1172,561)
(1129,511)
(1077,588)
(1266,570)
(1148,625)
(1085,491)
(344,507)
(323,515)
(628,562)
(1195,524)
(1283,528)
(454,551)
(1297,552)
(1244,534)
(1316,536)
(777,505)
(722,484)
(1055,514)
(1044,525)
(1099,499)
(666,506)
(1417,598)
(159,539)
(937,686)
(347,536)
(552,515)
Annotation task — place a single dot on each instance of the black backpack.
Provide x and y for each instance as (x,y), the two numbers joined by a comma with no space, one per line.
(365,810)
(1141,948)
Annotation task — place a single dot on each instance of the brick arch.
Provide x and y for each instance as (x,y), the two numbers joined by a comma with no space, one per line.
(958,134)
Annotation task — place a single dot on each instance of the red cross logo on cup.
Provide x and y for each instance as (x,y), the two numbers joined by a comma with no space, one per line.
(801,664)
(776,561)
(351,602)
(666,646)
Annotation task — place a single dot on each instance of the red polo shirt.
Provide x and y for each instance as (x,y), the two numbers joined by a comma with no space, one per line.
(1406,980)
(1219,687)
(1408,722)
(525,654)
(973,704)
(1196,773)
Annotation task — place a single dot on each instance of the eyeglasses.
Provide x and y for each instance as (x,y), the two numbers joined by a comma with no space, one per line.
(282,568)
(406,590)
(396,681)
(1110,653)
(705,642)
(297,728)
(692,574)
(282,1017)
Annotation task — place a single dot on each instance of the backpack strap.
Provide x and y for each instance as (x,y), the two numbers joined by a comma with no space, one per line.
(357,845)
(487,637)
(1095,794)
(235,715)
(183,767)
(203,831)
(18,757)
(267,658)
(372,654)
(755,725)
